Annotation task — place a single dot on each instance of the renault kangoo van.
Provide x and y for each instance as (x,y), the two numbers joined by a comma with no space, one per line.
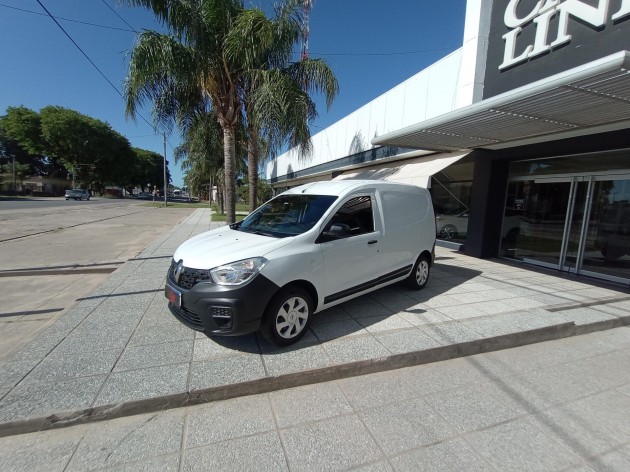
(308,249)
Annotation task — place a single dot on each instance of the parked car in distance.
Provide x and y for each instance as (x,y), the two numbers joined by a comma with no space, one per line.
(452,226)
(77,194)
(308,249)
(613,232)
(144,196)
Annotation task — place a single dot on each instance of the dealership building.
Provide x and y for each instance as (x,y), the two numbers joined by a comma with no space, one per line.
(522,136)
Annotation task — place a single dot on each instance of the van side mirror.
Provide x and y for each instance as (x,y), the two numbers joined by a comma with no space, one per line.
(336,231)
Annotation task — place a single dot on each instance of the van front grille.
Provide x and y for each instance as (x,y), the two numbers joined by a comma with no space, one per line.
(189,277)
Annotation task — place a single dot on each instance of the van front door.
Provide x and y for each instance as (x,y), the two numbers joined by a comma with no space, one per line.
(351,249)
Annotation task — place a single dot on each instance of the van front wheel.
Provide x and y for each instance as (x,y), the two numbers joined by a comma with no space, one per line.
(420,273)
(288,315)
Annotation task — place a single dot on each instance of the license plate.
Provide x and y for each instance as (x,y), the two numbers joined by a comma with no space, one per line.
(174,296)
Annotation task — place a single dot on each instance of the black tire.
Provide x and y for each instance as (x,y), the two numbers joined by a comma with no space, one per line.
(611,253)
(512,235)
(448,232)
(419,275)
(287,316)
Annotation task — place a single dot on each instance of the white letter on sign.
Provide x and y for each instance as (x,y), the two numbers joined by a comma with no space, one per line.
(595,16)
(512,21)
(623,11)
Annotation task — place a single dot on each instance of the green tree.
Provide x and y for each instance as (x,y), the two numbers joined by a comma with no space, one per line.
(89,148)
(148,170)
(189,67)
(200,154)
(215,57)
(24,126)
(20,138)
(275,91)
(59,142)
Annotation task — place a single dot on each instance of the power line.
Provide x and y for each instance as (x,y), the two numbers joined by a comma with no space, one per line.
(133,30)
(79,48)
(68,19)
(90,60)
(116,13)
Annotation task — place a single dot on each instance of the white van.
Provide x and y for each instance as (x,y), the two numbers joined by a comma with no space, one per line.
(308,249)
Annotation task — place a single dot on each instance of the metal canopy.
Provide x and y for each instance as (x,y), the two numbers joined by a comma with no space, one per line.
(590,98)
(413,171)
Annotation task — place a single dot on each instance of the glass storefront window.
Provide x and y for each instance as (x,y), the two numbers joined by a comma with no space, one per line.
(605,162)
(450,190)
(570,215)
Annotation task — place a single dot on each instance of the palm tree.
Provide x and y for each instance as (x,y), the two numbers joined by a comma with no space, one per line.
(217,55)
(199,151)
(275,91)
(181,71)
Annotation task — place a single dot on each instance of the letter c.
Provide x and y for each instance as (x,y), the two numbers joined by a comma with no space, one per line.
(512,21)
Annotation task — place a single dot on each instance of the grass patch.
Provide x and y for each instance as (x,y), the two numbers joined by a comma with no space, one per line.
(219,217)
(242,207)
(175,205)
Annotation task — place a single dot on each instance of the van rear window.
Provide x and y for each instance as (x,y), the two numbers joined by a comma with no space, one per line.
(286,215)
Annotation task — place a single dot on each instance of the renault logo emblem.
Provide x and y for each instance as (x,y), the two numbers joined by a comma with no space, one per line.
(179,268)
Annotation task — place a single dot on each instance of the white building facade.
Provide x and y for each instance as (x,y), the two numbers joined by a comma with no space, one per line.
(522,135)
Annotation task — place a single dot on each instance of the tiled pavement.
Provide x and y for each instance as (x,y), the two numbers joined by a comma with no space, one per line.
(119,351)
(554,406)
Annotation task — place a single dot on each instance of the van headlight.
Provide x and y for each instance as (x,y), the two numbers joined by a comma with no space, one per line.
(239,272)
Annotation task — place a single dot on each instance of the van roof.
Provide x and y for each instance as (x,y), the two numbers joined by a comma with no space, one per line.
(342,187)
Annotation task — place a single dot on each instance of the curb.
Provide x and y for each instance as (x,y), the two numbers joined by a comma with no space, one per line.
(269,384)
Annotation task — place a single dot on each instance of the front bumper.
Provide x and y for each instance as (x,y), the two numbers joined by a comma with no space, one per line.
(223,310)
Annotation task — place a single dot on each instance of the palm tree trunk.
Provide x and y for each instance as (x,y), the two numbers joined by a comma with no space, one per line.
(229,164)
(221,197)
(211,184)
(252,168)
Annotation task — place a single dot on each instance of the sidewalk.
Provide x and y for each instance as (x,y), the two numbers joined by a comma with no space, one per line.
(120,352)
(557,406)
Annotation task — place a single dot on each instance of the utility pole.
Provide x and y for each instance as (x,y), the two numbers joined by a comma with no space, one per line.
(165,182)
(14,182)
(307,6)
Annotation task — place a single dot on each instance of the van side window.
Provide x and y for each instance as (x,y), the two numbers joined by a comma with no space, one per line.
(354,217)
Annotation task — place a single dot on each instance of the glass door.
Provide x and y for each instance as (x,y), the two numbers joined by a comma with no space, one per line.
(577,224)
(535,223)
(604,249)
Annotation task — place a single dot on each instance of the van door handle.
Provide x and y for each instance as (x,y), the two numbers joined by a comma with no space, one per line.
(374,241)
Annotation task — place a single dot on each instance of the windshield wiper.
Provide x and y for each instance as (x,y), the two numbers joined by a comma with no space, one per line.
(255,231)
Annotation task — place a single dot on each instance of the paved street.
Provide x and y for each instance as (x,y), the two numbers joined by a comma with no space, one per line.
(555,406)
(55,251)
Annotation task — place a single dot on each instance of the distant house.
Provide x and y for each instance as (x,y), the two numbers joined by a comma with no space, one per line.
(43,186)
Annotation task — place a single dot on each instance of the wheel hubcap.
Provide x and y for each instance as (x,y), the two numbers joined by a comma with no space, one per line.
(292,317)
(422,273)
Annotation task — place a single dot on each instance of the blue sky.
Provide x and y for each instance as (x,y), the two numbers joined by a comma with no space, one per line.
(372,45)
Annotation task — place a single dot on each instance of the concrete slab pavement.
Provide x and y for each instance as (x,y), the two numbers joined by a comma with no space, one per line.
(53,255)
(119,351)
(555,406)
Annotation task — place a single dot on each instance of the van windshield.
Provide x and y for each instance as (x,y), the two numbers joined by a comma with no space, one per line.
(286,215)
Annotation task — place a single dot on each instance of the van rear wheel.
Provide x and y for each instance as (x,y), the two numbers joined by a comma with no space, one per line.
(287,316)
(420,273)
